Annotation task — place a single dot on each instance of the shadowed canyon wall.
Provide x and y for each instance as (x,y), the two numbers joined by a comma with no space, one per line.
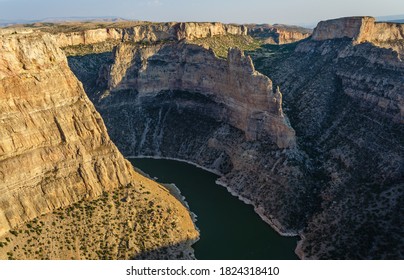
(250,101)
(181,101)
(340,187)
(345,100)
(335,178)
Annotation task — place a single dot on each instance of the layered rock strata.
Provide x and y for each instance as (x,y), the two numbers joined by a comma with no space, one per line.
(341,188)
(361,30)
(54,147)
(278,34)
(250,101)
(344,188)
(180,101)
(171,31)
(345,101)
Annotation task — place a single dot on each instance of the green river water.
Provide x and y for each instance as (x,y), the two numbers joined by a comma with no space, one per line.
(229,228)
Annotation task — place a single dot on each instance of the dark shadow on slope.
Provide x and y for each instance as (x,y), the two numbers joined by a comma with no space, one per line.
(179,251)
(190,126)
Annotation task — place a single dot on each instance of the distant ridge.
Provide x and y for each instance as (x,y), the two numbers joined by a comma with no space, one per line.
(4,22)
(80,19)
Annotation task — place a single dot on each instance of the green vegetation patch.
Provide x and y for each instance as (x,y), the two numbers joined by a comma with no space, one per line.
(81,50)
(220,44)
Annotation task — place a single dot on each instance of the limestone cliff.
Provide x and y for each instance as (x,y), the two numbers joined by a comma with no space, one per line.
(54,147)
(361,30)
(287,37)
(195,30)
(278,34)
(251,103)
(171,31)
(181,101)
(87,37)
(341,187)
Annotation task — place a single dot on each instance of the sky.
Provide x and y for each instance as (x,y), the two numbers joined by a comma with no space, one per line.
(301,12)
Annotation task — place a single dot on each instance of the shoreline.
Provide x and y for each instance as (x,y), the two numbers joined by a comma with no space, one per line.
(176,192)
(180,160)
(272,222)
(94,222)
(298,250)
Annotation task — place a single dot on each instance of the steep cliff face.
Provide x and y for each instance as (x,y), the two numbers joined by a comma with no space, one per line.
(287,37)
(371,86)
(170,31)
(341,188)
(251,102)
(87,37)
(345,100)
(278,34)
(195,30)
(361,30)
(54,147)
(181,101)
(350,27)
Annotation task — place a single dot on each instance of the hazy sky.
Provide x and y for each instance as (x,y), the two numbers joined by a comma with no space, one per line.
(237,11)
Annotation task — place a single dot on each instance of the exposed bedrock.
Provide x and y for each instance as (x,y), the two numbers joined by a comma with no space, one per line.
(345,101)
(361,30)
(180,101)
(171,31)
(69,35)
(250,102)
(54,146)
(341,185)
(278,34)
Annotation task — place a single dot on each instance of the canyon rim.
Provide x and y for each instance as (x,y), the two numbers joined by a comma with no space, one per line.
(305,125)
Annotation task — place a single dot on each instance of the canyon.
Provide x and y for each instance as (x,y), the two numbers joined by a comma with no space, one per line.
(309,132)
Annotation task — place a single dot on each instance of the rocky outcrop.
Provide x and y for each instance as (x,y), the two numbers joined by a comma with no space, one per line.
(251,103)
(345,100)
(194,126)
(181,101)
(195,30)
(361,30)
(341,187)
(21,30)
(350,27)
(287,37)
(149,32)
(381,92)
(87,37)
(278,34)
(54,147)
